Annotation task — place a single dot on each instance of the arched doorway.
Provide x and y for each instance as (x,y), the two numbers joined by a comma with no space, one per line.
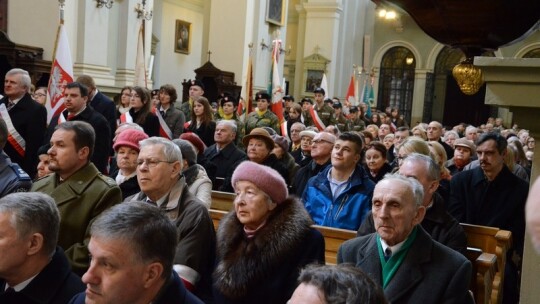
(396,82)
(451,106)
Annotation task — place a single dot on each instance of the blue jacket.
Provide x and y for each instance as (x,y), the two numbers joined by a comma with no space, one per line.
(348,210)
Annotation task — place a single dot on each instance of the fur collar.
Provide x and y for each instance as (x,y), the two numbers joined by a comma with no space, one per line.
(245,262)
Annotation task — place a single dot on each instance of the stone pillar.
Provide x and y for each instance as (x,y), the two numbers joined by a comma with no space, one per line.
(419,92)
(515,84)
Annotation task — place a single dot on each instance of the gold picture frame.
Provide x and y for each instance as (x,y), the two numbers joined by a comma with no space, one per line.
(182,37)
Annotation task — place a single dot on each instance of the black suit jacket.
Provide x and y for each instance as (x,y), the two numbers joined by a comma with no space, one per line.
(430,272)
(102,146)
(30,120)
(55,284)
(105,106)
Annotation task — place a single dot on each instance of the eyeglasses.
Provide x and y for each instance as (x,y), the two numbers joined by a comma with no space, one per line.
(39,95)
(152,163)
(321,141)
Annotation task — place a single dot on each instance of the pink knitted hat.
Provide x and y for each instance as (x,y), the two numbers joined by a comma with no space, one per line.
(264,177)
(129,138)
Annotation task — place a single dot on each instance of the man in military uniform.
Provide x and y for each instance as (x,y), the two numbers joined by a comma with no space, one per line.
(324,112)
(341,122)
(357,124)
(12,176)
(79,189)
(196,90)
(288,100)
(262,117)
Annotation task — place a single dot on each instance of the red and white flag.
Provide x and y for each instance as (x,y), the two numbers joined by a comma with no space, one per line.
(246,106)
(351,98)
(61,74)
(277,97)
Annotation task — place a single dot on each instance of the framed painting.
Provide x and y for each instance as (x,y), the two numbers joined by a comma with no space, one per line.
(274,12)
(313,80)
(182,37)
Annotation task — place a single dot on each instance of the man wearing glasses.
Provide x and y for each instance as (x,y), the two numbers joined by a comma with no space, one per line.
(159,173)
(80,191)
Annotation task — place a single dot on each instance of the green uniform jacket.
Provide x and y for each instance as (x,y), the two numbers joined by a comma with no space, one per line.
(80,199)
(268,119)
(358,125)
(343,123)
(326,114)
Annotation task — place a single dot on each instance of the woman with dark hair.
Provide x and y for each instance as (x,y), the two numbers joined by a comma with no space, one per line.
(174,118)
(202,122)
(123,104)
(376,119)
(265,241)
(397,121)
(140,112)
(375,161)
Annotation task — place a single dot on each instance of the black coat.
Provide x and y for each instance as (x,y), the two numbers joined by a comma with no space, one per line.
(150,124)
(386,168)
(442,227)
(304,174)
(227,160)
(105,106)
(55,284)
(430,272)
(129,187)
(499,203)
(205,132)
(29,119)
(265,268)
(102,146)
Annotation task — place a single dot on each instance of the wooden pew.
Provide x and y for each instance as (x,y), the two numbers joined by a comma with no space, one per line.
(484,266)
(333,238)
(494,241)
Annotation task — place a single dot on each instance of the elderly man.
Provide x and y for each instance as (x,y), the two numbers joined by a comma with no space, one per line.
(224,154)
(471,133)
(438,223)
(401,257)
(294,134)
(12,176)
(490,195)
(464,152)
(133,248)
(434,133)
(33,269)
(80,191)
(25,118)
(339,196)
(159,173)
(321,150)
(76,100)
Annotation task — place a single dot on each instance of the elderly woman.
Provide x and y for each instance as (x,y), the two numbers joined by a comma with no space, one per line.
(199,184)
(259,146)
(127,150)
(375,159)
(264,242)
(281,145)
(420,132)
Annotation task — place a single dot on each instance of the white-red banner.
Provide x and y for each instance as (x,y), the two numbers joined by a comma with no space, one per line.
(61,75)
(140,66)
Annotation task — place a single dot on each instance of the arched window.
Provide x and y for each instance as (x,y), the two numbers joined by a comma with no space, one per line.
(396,83)
(535,53)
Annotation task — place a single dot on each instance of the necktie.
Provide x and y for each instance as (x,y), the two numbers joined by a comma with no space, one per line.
(387,254)
(163,113)
(70,116)
(10,105)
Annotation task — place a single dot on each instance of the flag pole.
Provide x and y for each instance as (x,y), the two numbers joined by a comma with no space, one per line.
(61,4)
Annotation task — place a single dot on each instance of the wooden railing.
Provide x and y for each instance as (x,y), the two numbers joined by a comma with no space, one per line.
(487,247)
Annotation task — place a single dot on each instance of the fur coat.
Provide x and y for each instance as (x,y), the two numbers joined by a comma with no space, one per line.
(265,268)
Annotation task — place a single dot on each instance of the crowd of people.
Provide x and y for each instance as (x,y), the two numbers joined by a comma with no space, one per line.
(119,193)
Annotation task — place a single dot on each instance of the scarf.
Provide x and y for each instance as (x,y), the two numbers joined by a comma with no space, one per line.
(390,267)
(261,113)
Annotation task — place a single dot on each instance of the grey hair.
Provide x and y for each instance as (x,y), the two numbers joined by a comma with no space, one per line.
(26,81)
(33,212)
(299,124)
(433,169)
(412,184)
(230,123)
(471,128)
(170,150)
(451,132)
(145,228)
